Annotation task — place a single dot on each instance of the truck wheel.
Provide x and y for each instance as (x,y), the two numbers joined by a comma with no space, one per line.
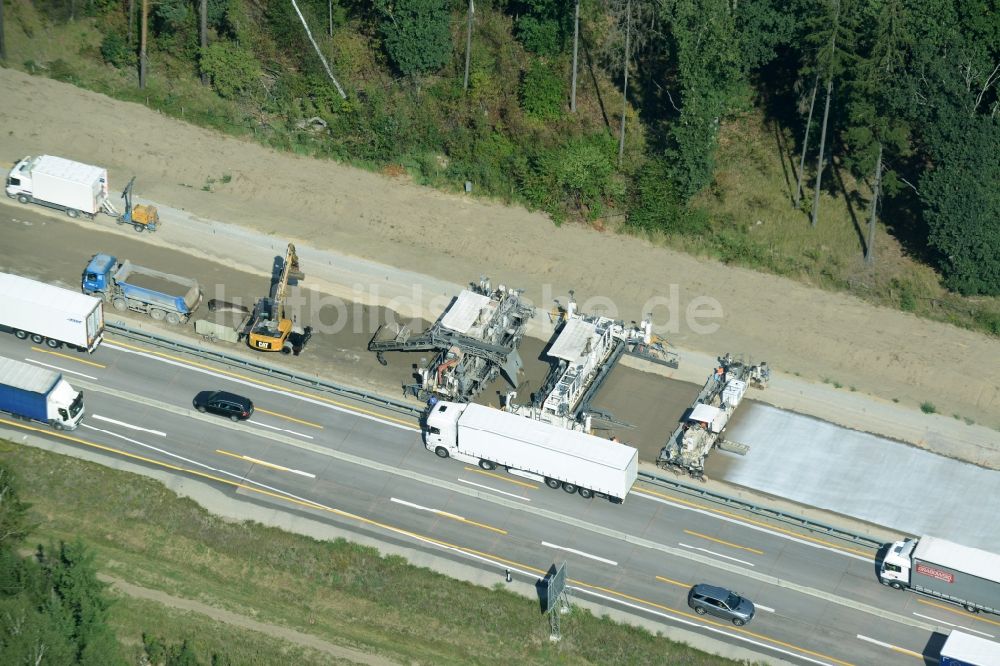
(971,609)
(73,212)
(53,344)
(173,318)
(569,487)
(441,452)
(486,464)
(586,493)
(57,425)
(551,483)
(120,304)
(20,335)
(287,348)
(896,585)
(23,198)
(157,314)
(138,227)
(37,339)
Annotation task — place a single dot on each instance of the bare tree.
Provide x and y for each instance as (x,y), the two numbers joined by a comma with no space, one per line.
(319,53)
(805,144)
(203,29)
(142,44)
(876,193)
(625,61)
(576,44)
(831,65)
(468,45)
(131,23)
(3,44)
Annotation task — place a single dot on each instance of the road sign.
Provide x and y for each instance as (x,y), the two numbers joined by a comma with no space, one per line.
(553,586)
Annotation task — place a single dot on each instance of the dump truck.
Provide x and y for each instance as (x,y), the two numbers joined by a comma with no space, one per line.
(572,460)
(31,393)
(962,649)
(73,187)
(128,286)
(50,315)
(932,566)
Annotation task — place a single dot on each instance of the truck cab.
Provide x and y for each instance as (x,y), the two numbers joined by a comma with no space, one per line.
(441,431)
(66,409)
(895,569)
(97,275)
(19,181)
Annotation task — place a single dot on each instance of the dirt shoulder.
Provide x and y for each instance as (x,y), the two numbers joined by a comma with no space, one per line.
(815,334)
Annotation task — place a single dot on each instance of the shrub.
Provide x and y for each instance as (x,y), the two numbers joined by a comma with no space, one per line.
(928,407)
(116,52)
(543,92)
(233,70)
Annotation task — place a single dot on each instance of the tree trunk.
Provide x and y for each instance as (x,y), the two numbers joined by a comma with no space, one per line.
(142,44)
(329,17)
(822,145)
(131,24)
(468,45)
(805,144)
(3,44)
(628,37)
(203,29)
(876,193)
(576,43)
(322,58)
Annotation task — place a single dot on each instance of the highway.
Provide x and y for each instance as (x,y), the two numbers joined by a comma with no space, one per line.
(310,453)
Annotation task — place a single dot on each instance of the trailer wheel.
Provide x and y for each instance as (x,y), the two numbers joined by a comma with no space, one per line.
(138,227)
(53,344)
(20,335)
(73,212)
(551,483)
(120,304)
(157,314)
(569,487)
(37,339)
(896,585)
(586,493)
(486,464)
(441,452)
(57,425)
(971,609)
(173,318)
(23,198)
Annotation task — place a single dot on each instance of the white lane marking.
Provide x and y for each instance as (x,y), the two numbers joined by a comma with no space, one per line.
(260,387)
(56,367)
(580,553)
(424,508)
(291,432)
(280,468)
(127,425)
(763,608)
(494,490)
(751,526)
(952,624)
(712,552)
(875,642)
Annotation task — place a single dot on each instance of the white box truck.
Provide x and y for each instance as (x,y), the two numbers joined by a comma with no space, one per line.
(49,314)
(570,459)
(38,394)
(962,649)
(74,187)
(932,566)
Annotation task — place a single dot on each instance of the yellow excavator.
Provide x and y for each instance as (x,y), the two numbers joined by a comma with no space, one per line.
(271,329)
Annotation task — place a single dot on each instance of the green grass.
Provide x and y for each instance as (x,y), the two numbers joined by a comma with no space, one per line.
(344,593)
(928,407)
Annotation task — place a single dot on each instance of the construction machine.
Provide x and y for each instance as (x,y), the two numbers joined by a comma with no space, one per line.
(141,216)
(270,328)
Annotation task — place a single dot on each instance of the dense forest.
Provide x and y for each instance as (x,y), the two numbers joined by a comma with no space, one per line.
(611,109)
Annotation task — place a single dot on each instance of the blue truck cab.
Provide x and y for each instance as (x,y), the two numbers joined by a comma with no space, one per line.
(97,275)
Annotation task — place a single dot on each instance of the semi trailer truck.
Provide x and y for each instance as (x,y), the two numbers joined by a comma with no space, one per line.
(50,315)
(73,187)
(572,460)
(128,286)
(962,649)
(32,393)
(932,566)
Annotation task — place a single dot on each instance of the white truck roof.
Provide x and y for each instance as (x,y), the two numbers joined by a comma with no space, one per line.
(979,563)
(17,288)
(570,443)
(25,376)
(60,167)
(971,649)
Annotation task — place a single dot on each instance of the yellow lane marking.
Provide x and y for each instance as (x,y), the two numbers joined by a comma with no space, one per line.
(908,653)
(724,543)
(264,463)
(68,357)
(289,418)
(672,582)
(956,611)
(751,521)
(445,514)
(259,382)
(501,477)
(399,530)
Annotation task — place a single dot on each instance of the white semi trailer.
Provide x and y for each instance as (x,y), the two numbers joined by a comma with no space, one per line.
(50,315)
(73,187)
(569,459)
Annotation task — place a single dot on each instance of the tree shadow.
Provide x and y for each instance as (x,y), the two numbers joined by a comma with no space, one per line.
(788,169)
(593,78)
(849,200)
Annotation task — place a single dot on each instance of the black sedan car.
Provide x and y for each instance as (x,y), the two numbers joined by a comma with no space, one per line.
(224,403)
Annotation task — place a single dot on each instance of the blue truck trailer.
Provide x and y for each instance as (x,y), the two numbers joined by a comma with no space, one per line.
(31,393)
(128,286)
(962,649)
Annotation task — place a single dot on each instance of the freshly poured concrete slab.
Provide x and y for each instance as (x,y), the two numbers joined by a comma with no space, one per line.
(860,475)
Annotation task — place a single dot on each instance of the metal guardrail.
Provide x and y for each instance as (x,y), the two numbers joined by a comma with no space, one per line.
(396,406)
(766,512)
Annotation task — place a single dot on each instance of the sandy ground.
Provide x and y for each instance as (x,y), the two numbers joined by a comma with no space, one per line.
(800,330)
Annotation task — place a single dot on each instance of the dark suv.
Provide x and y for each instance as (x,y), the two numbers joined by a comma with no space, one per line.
(720,602)
(224,403)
